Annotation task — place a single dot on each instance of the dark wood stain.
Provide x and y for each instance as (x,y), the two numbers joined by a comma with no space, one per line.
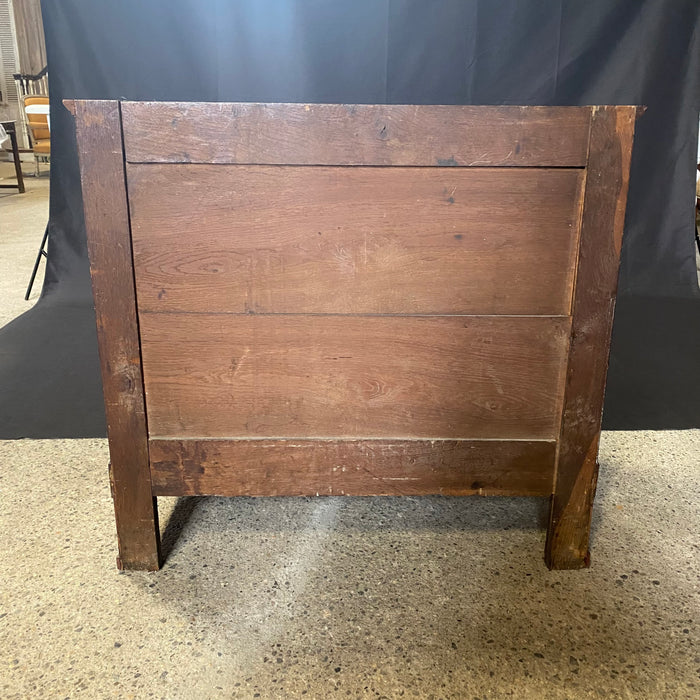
(612,131)
(109,247)
(297,467)
(439,324)
(327,134)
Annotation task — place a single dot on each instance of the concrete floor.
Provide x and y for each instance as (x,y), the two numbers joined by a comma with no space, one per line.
(355,597)
(23,219)
(331,597)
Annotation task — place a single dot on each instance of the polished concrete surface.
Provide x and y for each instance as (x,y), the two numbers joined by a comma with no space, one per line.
(350,597)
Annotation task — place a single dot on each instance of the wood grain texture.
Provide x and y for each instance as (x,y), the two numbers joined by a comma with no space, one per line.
(351,467)
(612,131)
(406,329)
(354,240)
(325,134)
(344,376)
(107,223)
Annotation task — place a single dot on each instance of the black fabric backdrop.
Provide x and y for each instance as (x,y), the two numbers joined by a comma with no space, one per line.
(558,52)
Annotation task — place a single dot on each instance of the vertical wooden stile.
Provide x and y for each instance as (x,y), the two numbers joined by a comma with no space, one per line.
(610,150)
(100,147)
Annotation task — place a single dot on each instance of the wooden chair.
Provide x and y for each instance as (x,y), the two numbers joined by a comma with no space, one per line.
(29,84)
(39,128)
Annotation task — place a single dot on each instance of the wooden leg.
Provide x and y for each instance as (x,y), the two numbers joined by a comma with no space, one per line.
(18,163)
(136,515)
(570,515)
(609,152)
(109,246)
(142,553)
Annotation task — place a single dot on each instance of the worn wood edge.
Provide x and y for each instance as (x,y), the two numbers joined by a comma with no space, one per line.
(524,113)
(511,109)
(567,545)
(119,369)
(352,467)
(579,225)
(359,314)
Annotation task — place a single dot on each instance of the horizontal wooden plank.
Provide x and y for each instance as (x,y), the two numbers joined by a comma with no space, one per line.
(327,134)
(224,375)
(354,240)
(351,467)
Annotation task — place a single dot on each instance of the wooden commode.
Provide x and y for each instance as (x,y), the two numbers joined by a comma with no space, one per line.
(353,299)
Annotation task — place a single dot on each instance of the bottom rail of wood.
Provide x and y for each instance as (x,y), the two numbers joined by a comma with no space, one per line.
(352,467)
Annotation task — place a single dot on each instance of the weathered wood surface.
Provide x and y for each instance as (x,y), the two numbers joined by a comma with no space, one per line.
(354,240)
(325,134)
(109,246)
(231,375)
(355,330)
(612,132)
(352,467)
